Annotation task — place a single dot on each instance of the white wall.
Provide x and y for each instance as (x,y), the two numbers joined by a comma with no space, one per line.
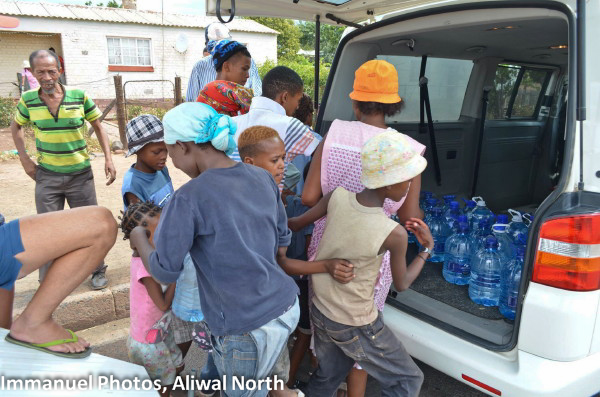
(84,49)
(16,47)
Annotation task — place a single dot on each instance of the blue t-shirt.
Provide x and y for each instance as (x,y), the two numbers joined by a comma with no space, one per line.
(297,247)
(155,187)
(232,221)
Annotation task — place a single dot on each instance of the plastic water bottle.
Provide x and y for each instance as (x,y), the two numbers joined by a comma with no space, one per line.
(484,284)
(440,231)
(461,219)
(186,302)
(521,239)
(479,235)
(506,247)
(469,207)
(457,260)
(423,196)
(447,200)
(480,212)
(429,205)
(516,224)
(452,214)
(502,219)
(509,284)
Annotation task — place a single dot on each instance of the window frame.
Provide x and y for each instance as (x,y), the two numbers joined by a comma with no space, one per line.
(515,90)
(130,68)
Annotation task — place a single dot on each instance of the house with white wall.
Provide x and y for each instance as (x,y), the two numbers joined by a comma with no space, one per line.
(97,43)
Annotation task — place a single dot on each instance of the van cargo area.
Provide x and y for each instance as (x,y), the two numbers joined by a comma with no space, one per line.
(510,151)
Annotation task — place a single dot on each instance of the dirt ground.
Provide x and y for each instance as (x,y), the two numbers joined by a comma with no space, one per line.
(17,190)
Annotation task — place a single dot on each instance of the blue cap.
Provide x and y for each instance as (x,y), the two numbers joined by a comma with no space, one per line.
(502,218)
(470,203)
(454,205)
(462,219)
(491,242)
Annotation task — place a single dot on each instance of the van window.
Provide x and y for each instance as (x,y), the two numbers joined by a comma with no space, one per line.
(448,79)
(516,92)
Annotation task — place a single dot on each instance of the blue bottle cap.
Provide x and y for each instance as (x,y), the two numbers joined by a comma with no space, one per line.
(454,205)
(470,203)
(462,218)
(502,218)
(491,242)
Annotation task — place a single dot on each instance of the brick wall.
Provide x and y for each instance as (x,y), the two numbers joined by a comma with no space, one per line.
(83,46)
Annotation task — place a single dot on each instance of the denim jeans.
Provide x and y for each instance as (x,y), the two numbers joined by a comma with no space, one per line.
(253,355)
(373,346)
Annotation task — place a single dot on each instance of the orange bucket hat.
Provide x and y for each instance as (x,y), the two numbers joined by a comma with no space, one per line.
(376,81)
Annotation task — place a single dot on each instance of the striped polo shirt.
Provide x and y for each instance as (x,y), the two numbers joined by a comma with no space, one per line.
(60,139)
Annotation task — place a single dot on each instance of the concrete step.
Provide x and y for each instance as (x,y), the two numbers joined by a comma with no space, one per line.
(84,308)
(109,339)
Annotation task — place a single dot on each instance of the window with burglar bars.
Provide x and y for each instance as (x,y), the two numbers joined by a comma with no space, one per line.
(126,51)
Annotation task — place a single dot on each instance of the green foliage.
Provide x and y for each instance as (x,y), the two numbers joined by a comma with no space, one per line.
(330,38)
(8,108)
(135,110)
(114,4)
(288,42)
(304,68)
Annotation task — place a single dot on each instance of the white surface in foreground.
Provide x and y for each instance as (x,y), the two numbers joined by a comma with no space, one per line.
(17,362)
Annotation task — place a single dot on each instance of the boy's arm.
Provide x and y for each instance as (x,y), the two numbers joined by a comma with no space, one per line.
(132,198)
(340,269)
(397,242)
(310,216)
(162,301)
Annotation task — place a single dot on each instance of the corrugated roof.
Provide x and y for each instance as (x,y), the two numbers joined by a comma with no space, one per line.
(121,15)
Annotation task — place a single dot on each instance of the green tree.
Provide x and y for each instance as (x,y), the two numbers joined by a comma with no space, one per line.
(114,4)
(288,42)
(330,38)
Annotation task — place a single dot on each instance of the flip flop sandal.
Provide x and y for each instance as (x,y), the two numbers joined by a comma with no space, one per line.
(43,347)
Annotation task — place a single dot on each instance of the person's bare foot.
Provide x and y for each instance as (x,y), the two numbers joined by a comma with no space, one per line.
(44,332)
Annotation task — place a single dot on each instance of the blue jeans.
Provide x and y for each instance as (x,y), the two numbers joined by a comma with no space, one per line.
(373,346)
(252,356)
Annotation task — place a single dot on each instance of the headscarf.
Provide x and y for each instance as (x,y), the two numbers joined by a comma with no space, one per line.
(224,50)
(199,123)
(226,97)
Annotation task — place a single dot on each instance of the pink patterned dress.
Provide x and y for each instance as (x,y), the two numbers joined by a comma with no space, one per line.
(341,166)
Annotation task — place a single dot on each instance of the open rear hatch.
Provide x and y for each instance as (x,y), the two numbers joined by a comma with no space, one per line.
(515,54)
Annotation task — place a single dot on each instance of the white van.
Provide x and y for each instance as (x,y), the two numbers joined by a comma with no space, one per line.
(509,86)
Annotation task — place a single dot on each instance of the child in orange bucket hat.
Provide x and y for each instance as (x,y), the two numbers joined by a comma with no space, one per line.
(336,163)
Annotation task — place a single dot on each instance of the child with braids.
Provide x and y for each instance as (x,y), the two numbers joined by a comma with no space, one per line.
(148,302)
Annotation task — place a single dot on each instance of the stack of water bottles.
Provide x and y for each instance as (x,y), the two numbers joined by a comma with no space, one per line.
(479,249)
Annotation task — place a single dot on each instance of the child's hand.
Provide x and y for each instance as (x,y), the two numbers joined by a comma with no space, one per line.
(341,270)
(421,231)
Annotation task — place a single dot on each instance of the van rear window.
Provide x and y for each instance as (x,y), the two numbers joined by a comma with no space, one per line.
(448,79)
(516,92)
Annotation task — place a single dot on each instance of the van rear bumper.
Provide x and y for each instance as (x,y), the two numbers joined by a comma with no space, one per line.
(514,373)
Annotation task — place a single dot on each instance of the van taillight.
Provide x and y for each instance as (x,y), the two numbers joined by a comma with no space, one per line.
(568,253)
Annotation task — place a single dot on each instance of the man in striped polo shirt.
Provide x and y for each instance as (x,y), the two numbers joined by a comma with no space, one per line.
(63,171)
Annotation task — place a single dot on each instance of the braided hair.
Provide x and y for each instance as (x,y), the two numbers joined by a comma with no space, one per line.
(136,215)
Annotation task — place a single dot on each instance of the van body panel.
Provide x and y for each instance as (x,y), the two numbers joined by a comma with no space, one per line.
(515,374)
(557,324)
